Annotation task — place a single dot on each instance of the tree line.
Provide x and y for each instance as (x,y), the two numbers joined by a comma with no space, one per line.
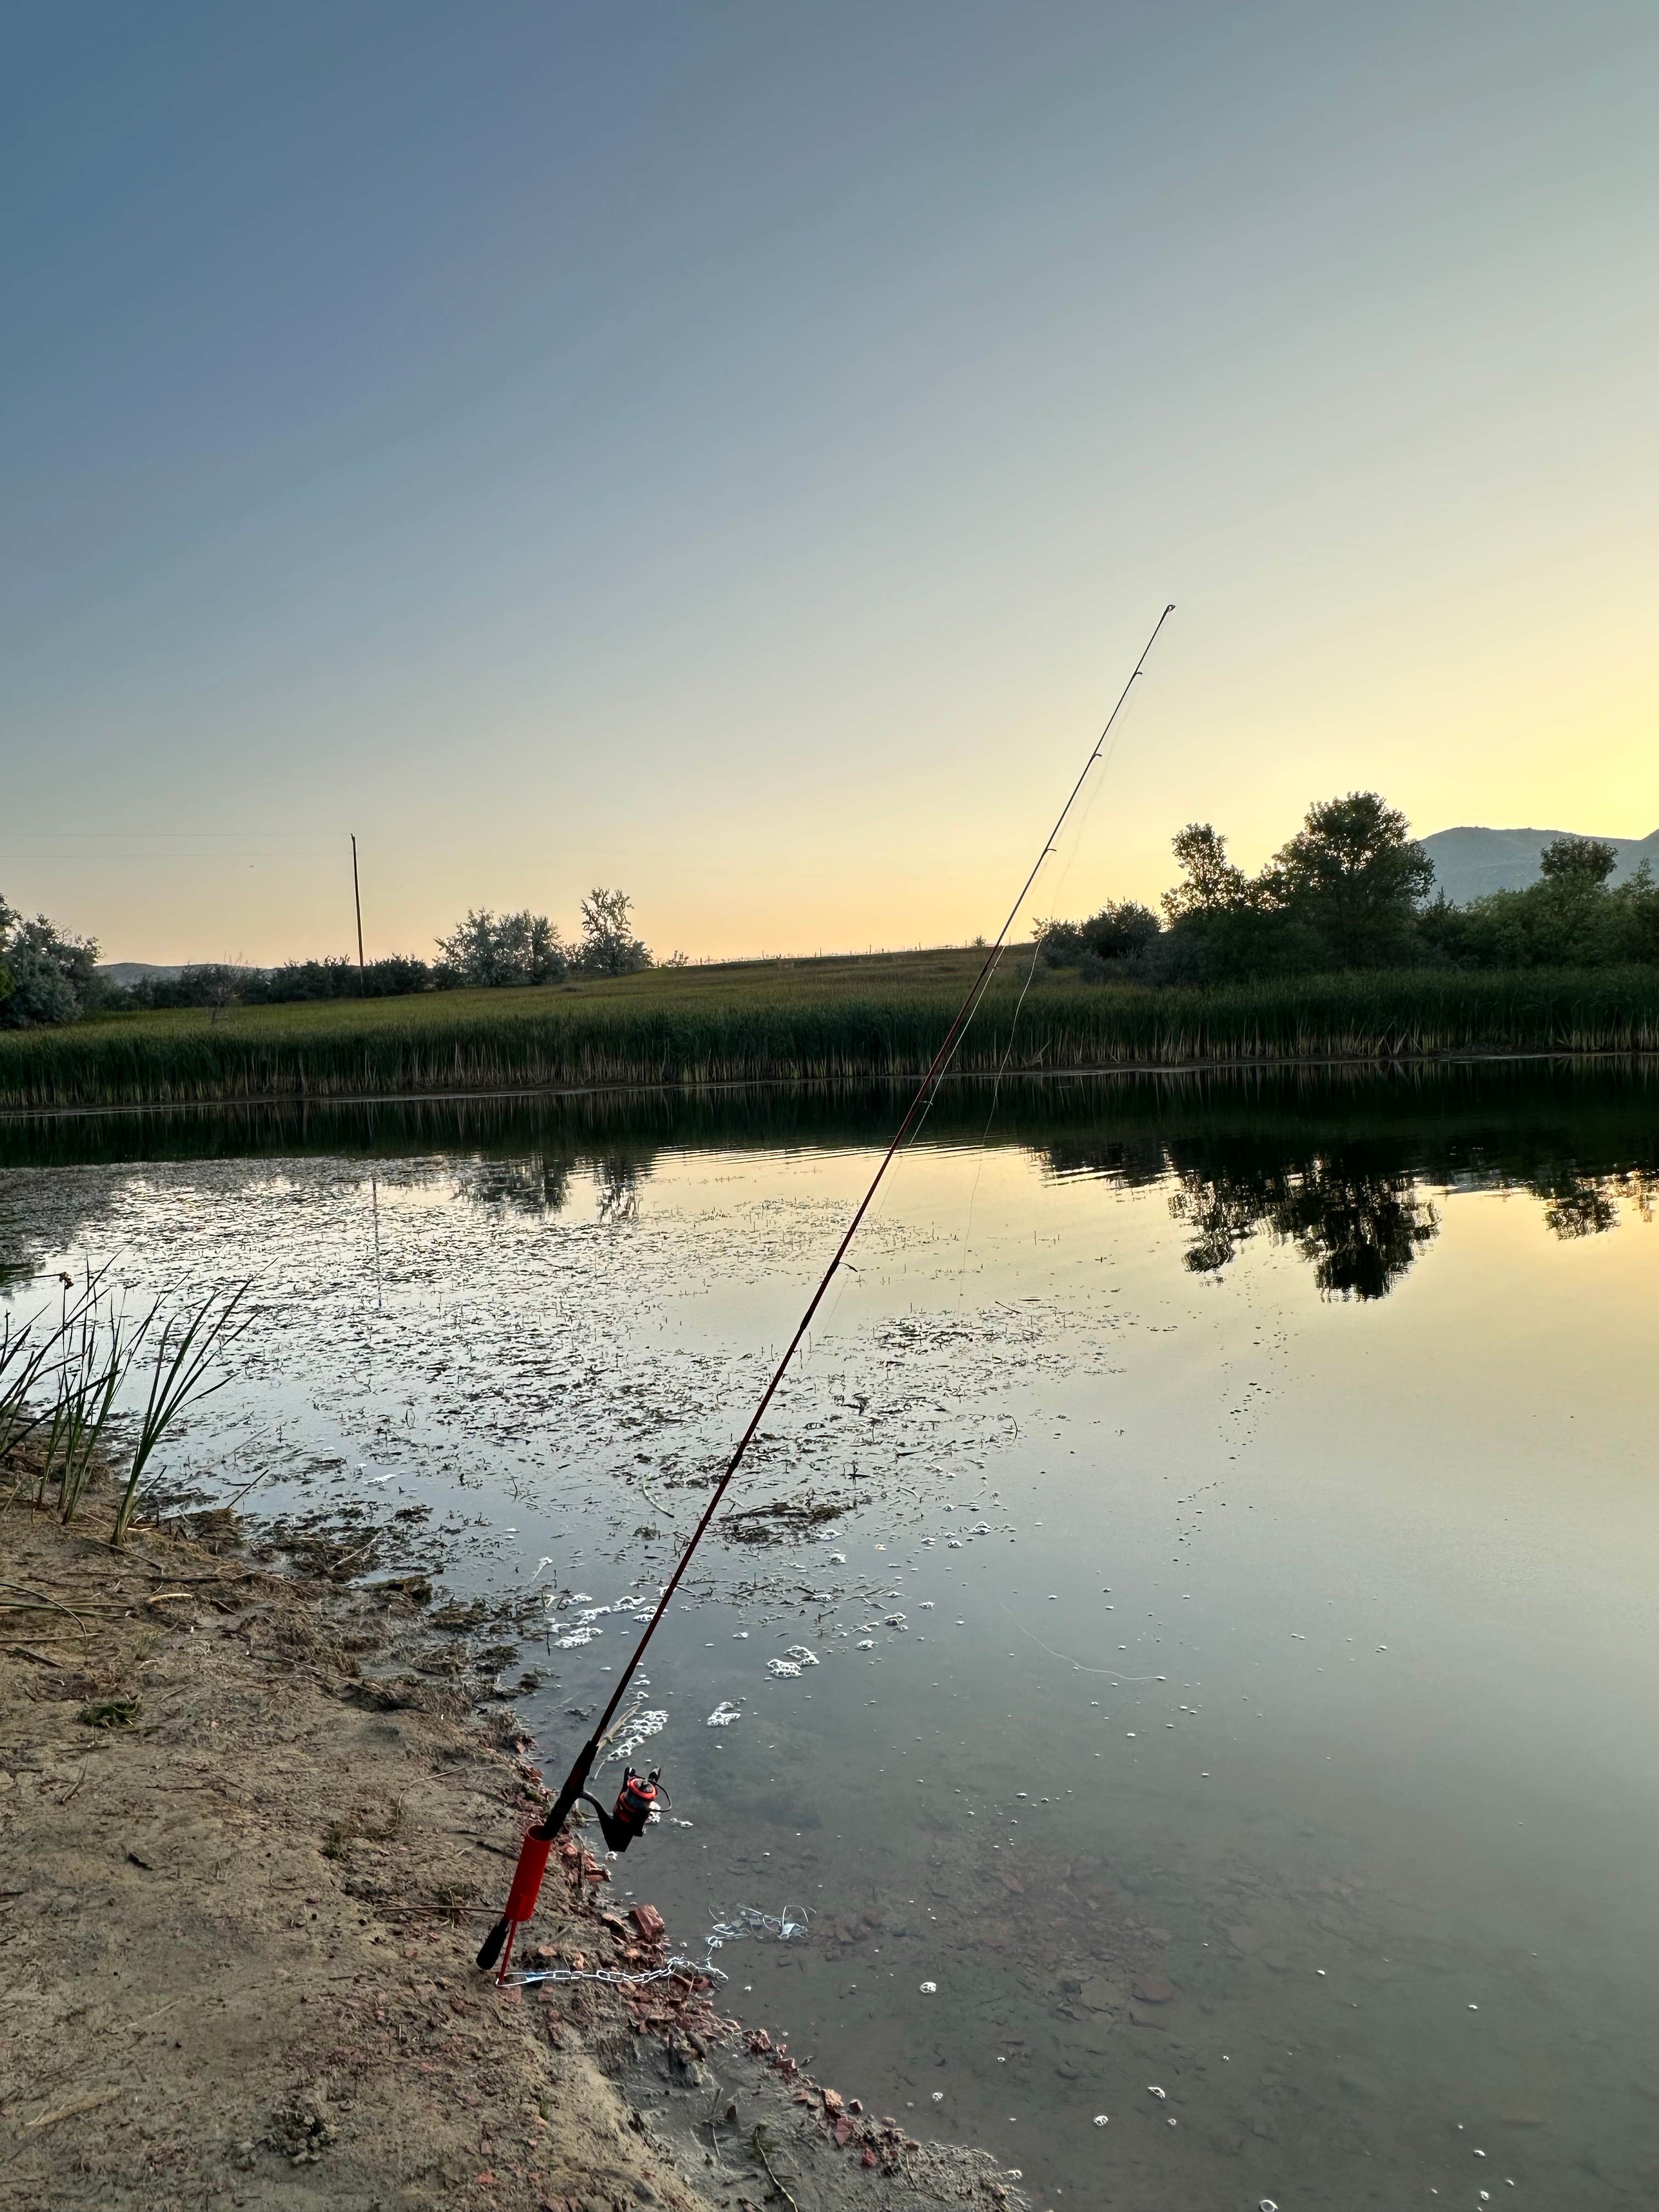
(48,977)
(1351,890)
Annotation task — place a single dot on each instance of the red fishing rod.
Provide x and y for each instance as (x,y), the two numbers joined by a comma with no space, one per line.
(637,1800)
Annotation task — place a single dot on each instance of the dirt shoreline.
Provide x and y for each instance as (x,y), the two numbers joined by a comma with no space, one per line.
(252,1828)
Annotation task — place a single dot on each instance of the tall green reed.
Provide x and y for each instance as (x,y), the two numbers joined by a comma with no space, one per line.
(789,1026)
(92,1347)
(36,1353)
(84,1359)
(185,1354)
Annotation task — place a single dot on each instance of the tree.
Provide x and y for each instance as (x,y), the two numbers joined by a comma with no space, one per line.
(1578,862)
(1213,885)
(608,947)
(1353,874)
(1571,917)
(52,974)
(215,984)
(492,949)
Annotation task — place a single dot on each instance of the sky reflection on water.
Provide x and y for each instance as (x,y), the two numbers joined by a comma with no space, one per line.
(1237,1584)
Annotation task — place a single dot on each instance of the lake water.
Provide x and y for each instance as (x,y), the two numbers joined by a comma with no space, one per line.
(1231,1592)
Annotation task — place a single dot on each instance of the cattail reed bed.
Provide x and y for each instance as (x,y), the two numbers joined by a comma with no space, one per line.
(810,1021)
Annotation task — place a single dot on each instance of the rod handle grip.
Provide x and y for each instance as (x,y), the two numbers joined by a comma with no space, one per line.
(527,1877)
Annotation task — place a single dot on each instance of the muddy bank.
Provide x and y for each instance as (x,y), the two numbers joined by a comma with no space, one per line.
(250,1829)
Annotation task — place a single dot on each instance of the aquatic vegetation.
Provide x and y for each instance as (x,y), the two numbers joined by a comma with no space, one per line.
(186,1354)
(811,1021)
(86,1355)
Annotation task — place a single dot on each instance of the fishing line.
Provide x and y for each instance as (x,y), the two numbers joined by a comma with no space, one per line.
(636,1799)
(1119,1680)
(1013,1029)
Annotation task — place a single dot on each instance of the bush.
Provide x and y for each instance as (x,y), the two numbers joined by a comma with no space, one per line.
(1113,943)
(295,980)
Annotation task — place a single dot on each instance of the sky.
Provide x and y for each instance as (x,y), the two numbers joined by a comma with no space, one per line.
(737,453)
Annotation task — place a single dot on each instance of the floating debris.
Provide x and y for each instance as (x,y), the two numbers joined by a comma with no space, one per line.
(1103,2119)
(636,1730)
(723,1716)
(576,1638)
(930,1989)
(785,1669)
(749,1920)
(801,1656)
(1152,2090)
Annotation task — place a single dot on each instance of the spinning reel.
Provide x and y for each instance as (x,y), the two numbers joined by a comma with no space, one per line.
(636,1801)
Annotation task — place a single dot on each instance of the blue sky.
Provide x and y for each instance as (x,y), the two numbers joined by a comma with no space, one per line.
(737,451)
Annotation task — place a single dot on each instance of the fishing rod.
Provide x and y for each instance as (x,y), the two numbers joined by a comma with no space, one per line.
(637,1800)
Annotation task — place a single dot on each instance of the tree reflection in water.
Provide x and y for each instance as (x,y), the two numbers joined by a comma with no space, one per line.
(1587,1205)
(1343,1167)
(1362,1228)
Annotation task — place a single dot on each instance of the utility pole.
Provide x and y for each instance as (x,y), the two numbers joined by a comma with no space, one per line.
(357,900)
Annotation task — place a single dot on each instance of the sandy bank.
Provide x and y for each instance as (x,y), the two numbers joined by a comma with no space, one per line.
(250,1831)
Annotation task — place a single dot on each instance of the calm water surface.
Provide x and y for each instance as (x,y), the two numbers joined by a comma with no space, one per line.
(1231,1592)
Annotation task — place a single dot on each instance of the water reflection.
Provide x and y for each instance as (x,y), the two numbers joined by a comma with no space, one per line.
(1340,1167)
(1587,1206)
(1361,1227)
(1353,1856)
(536,1186)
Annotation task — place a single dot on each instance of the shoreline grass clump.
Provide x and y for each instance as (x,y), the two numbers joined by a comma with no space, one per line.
(86,1355)
(814,1021)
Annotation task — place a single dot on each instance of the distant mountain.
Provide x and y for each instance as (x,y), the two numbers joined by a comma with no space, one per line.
(126,972)
(1469,863)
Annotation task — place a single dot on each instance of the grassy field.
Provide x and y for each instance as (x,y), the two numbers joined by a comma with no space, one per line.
(786,1021)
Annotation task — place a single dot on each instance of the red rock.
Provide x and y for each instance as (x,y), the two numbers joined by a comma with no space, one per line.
(845,2131)
(855,2104)
(649,1921)
(1152,1989)
(869,2158)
